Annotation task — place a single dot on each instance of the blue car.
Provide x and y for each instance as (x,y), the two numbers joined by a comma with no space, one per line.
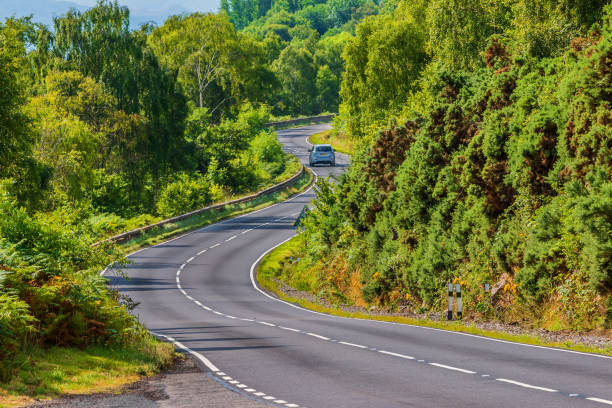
(322,153)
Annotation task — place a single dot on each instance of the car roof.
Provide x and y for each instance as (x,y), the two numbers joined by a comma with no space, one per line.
(317,145)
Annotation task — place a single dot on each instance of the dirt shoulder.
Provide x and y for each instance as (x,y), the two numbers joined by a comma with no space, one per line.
(182,386)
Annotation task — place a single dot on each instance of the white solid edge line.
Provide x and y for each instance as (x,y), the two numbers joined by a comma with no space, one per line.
(254,284)
(603,401)
(199,356)
(452,368)
(520,384)
(396,354)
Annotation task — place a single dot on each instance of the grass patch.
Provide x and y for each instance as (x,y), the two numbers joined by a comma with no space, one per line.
(48,373)
(272,266)
(157,235)
(338,141)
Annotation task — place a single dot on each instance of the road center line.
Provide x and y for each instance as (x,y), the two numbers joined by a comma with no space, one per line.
(352,344)
(214,246)
(396,354)
(520,384)
(318,336)
(289,328)
(230,238)
(602,401)
(452,368)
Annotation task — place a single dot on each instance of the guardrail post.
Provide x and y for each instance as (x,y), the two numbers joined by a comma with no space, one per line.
(450,301)
(458,290)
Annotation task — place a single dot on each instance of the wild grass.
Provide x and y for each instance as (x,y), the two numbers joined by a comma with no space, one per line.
(48,373)
(338,141)
(272,267)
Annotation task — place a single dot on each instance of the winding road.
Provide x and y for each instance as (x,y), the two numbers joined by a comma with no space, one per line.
(198,291)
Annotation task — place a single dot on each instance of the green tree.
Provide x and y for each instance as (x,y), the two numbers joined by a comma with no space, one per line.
(328,87)
(217,67)
(296,72)
(17,138)
(382,63)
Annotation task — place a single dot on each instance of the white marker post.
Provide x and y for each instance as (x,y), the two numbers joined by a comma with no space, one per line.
(458,290)
(450,301)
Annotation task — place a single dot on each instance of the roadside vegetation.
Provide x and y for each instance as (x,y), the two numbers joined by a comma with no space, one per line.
(104,129)
(167,231)
(484,158)
(283,268)
(339,141)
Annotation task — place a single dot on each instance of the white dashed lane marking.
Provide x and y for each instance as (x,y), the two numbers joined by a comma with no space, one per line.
(602,401)
(520,384)
(452,368)
(289,328)
(245,388)
(318,336)
(396,354)
(353,345)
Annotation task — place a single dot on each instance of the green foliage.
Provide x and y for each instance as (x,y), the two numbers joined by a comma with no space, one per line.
(507,172)
(268,152)
(217,67)
(187,193)
(17,138)
(373,84)
(51,292)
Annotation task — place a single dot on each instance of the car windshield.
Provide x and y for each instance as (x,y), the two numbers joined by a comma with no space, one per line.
(323,149)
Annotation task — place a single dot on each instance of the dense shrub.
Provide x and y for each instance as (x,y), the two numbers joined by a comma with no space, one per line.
(509,173)
(51,291)
(185,194)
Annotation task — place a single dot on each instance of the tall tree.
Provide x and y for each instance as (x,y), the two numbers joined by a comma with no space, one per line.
(16,136)
(217,67)
(99,44)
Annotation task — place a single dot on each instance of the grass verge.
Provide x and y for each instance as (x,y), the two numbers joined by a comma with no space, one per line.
(48,373)
(339,142)
(271,267)
(167,231)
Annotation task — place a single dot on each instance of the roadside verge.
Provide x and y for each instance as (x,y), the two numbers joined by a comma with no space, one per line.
(270,267)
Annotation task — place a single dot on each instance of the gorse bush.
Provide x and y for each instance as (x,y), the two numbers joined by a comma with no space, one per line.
(509,174)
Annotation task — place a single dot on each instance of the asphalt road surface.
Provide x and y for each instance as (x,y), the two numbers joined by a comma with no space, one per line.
(198,291)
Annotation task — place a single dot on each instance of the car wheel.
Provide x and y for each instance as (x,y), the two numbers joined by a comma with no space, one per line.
(333,164)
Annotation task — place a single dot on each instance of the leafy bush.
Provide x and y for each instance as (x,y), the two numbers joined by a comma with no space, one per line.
(186,194)
(51,291)
(268,153)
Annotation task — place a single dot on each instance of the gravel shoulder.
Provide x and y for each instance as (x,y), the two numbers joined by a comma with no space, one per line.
(182,386)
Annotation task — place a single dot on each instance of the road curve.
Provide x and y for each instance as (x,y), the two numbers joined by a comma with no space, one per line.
(197,290)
